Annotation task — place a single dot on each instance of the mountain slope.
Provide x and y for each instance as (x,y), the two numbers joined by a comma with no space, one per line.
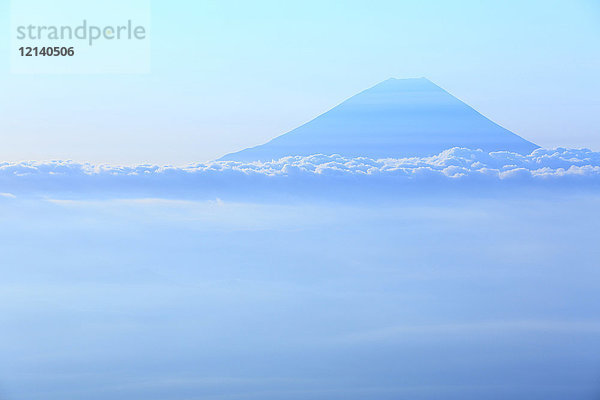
(396,118)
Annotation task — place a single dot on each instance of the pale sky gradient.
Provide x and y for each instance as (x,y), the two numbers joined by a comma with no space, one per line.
(232,74)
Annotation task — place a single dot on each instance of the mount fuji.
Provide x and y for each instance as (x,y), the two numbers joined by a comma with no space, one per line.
(393,119)
(396,118)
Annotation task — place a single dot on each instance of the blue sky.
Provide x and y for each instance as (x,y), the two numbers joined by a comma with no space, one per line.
(230,74)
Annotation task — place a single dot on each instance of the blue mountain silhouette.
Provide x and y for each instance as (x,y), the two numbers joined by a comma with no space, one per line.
(396,118)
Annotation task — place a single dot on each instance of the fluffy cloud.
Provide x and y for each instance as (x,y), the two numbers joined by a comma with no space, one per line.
(457,167)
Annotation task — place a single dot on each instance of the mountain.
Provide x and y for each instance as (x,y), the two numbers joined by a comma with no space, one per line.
(396,118)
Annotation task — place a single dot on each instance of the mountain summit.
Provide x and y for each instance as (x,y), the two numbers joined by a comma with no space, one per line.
(396,118)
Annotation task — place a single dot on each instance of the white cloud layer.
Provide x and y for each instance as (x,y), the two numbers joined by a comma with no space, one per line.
(449,168)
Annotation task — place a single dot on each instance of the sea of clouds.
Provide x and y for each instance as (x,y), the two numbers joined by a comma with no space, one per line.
(205,282)
(453,168)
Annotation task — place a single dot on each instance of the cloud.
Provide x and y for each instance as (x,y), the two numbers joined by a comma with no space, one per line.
(474,328)
(322,174)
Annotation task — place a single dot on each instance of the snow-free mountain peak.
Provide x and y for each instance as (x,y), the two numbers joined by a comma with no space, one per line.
(395,118)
